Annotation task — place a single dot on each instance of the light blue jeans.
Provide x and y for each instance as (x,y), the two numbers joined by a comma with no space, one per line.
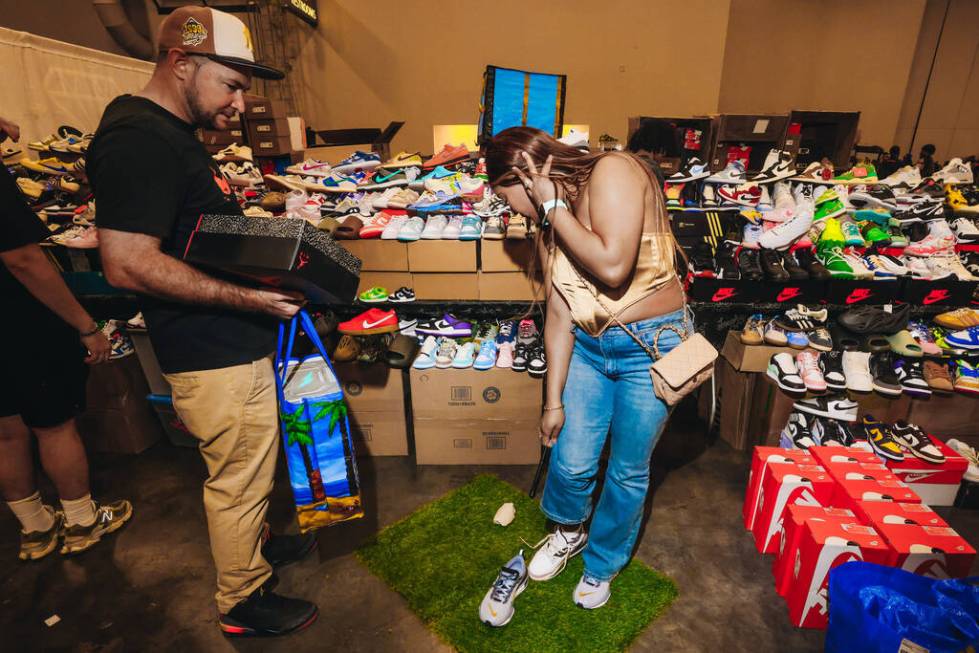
(609,390)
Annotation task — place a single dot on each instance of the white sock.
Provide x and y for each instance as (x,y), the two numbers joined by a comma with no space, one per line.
(33,515)
(80,512)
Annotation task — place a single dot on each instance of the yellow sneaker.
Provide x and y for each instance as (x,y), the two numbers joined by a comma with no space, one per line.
(960,318)
(30,187)
(954,198)
(37,544)
(49,166)
(403,160)
(109,517)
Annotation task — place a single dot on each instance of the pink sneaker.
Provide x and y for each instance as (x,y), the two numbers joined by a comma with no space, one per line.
(931,245)
(504,359)
(808,364)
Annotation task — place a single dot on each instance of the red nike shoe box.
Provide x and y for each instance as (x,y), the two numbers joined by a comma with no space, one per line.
(849,494)
(795,519)
(783,486)
(934,551)
(879,513)
(760,460)
(823,546)
(850,471)
(827,456)
(935,484)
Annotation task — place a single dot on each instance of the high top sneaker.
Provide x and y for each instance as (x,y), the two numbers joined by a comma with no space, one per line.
(778,165)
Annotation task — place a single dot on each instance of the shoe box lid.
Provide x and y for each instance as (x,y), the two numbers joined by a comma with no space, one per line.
(827,456)
(850,492)
(915,470)
(843,471)
(761,458)
(783,486)
(936,551)
(877,513)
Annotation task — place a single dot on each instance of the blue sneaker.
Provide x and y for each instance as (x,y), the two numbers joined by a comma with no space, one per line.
(966,377)
(358,161)
(964,339)
(438,173)
(426,355)
(437,201)
(334,183)
(465,356)
(508,332)
(487,356)
(472,228)
(797,339)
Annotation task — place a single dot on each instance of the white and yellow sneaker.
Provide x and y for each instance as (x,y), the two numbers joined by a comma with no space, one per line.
(592,593)
(554,552)
(497,607)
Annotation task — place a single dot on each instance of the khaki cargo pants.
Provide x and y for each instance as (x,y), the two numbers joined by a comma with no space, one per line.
(233,411)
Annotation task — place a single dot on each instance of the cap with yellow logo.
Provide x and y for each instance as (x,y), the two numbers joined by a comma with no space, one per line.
(213,34)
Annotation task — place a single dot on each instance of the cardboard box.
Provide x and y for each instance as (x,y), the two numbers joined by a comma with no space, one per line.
(222,137)
(824,546)
(792,526)
(878,513)
(783,486)
(934,551)
(270,127)
(947,415)
(375,399)
(849,494)
(116,384)
(475,418)
(734,399)
(442,256)
(378,255)
(390,281)
(750,358)
(507,256)
(761,459)
(937,485)
(131,427)
(258,106)
(510,286)
(446,285)
(271,145)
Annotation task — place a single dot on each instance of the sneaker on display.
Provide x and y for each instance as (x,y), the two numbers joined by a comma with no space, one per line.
(910,374)
(701,263)
(911,437)
(591,593)
(733,174)
(779,164)
(882,369)
(448,325)
(753,332)
(783,371)
(554,551)
(960,318)
(792,266)
(967,452)
(497,608)
(835,407)
(785,233)
(941,267)
(860,270)
(831,364)
(966,377)
(808,261)
(576,139)
(694,169)
(486,358)
(879,195)
(856,370)
(880,439)
(465,356)
(537,361)
(807,362)
(832,433)
(744,194)
(411,230)
(815,173)
(798,431)
(527,332)
(765,201)
(904,178)
(724,258)
(434,226)
(775,335)
(771,263)
(453,228)
(965,230)
(708,197)
(967,339)
(504,358)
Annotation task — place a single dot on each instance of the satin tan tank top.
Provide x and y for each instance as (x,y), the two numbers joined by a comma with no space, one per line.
(655,267)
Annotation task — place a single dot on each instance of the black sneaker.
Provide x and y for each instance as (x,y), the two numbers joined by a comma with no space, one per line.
(876,195)
(808,262)
(927,190)
(282,550)
(701,261)
(792,266)
(928,210)
(771,263)
(750,263)
(521,356)
(882,369)
(831,365)
(267,614)
(912,438)
(537,362)
(910,374)
(971,262)
(820,339)
(833,433)
(726,266)
(798,430)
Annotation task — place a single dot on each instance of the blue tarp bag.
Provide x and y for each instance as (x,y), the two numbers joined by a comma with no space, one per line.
(887,610)
(515,98)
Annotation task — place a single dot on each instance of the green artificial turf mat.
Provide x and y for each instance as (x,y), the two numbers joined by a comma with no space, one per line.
(443,557)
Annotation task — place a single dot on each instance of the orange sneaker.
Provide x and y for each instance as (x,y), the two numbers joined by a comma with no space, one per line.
(450,154)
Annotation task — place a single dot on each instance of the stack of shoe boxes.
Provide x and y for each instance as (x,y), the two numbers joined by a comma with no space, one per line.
(267,125)
(375,399)
(384,263)
(503,271)
(216,140)
(444,270)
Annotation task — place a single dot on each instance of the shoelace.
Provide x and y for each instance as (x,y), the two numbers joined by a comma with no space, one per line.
(505,583)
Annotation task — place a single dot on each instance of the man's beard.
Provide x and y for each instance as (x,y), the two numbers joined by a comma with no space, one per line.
(198,115)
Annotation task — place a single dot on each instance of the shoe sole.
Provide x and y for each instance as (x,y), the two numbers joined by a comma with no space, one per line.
(232,631)
(594,607)
(888,390)
(918,454)
(554,574)
(37,554)
(374,301)
(369,332)
(775,377)
(73,549)
(883,452)
(537,374)
(819,347)
(845,417)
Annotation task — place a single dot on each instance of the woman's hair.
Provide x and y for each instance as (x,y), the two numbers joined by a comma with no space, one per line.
(656,136)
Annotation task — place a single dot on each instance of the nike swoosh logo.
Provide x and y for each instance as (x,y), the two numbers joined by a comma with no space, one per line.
(492,612)
(371,325)
(585,593)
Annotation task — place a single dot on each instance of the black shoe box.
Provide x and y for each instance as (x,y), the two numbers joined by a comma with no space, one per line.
(968,496)
(947,292)
(698,223)
(791,292)
(724,291)
(849,292)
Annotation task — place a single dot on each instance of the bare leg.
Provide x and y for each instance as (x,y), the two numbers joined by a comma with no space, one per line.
(16,461)
(64,460)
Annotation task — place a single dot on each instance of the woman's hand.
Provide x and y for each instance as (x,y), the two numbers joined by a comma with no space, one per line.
(551,423)
(540,187)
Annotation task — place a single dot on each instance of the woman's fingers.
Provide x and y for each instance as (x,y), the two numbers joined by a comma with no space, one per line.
(524,179)
(530,163)
(546,170)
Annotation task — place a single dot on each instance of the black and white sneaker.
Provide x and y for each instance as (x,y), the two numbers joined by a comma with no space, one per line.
(831,365)
(782,370)
(402,295)
(928,210)
(798,430)
(778,165)
(882,369)
(724,259)
(521,357)
(693,170)
(701,261)
(838,407)
(912,438)
(911,376)
(537,362)
(876,195)
(831,433)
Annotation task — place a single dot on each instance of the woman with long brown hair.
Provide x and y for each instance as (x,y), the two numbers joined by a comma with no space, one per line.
(611,280)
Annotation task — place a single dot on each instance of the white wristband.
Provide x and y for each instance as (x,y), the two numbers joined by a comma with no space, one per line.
(550,205)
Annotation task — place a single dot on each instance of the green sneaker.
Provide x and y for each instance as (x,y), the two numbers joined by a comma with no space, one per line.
(375,295)
(863,173)
(37,544)
(880,216)
(829,209)
(898,239)
(874,234)
(826,196)
(832,235)
(109,517)
(832,259)
(851,234)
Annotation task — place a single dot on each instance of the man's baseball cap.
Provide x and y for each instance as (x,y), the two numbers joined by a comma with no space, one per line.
(214,34)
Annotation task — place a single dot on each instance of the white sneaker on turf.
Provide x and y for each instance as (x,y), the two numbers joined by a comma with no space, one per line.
(497,606)
(554,552)
(592,593)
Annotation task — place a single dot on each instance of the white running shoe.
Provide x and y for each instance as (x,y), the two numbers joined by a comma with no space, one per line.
(733,173)
(965,230)
(785,233)
(967,452)
(904,178)
(591,593)
(558,547)
(497,607)
(955,172)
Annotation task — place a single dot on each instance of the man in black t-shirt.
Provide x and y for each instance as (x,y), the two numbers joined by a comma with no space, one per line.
(213,336)
(42,388)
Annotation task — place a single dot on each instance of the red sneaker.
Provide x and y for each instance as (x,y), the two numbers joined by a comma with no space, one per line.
(370,322)
(450,154)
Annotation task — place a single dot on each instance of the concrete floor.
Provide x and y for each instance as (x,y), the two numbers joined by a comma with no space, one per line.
(150,586)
